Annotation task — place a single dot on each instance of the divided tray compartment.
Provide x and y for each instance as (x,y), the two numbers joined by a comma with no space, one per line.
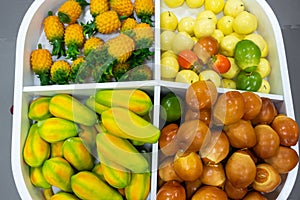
(27,87)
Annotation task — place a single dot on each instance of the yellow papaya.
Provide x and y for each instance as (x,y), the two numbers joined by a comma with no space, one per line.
(48,193)
(39,109)
(98,171)
(95,106)
(139,186)
(67,107)
(126,124)
(118,150)
(75,152)
(56,149)
(57,129)
(135,100)
(37,178)
(64,196)
(36,150)
(57,172)
(88,136)
(87,185)
(116,175)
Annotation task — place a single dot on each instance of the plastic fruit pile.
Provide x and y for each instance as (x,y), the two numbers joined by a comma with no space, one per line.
(213,40)
(234,145)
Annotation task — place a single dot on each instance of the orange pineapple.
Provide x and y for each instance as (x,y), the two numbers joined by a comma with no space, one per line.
(144,9)
(107,22)
(144,35)
(40,62)
(74,40)
(98,6)
(120,47)
(60,72)
(75,68)
(70,11)
(54,31)
(124,8)
(92,43)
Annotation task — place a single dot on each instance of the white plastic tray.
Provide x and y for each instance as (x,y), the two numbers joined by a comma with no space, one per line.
(27,87)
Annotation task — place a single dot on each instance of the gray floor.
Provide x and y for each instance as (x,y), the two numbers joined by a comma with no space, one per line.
(11,14)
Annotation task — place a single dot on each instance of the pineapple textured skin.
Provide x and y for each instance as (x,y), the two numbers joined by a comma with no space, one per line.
(60,71)
(108,22)
(41,61)
(69,12)
(144,7)
(122,7)
(92,43)
(53,28)
(74,40)
(120,47)
(98,6)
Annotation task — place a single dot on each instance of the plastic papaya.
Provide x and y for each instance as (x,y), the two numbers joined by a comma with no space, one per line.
(57,129)
(87,185)
(97,107)
(67,107)
(57,171)
(39,109)
(64,196)
(139,187)
(75,152)
(135,100)
(36,150)
(37,178)
(56,149)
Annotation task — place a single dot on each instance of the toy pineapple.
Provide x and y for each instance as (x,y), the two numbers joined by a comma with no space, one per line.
(91,44)
(40,62)
(60,72)
(74,40)
(144,9)
(54,31)
(124,8)
(70,11)
(98,6)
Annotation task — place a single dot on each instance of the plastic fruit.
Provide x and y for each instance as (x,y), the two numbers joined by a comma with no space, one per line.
(173,107)
(253,104)
(214,5)
(227,45)
(219,63)
(233,70)
(204,27)
(265,87)
(246,54)
(209,192)
(244,23)
(187,76)
(183,41)
(225,24)
(241,134)
(228,83)
(169,53)
(205,48)
(218,35)
(218,149)
(203,114)
(188,166)
(213,175)
(201,95)
(287,129)
(191,187)
(169,67)
(260,42)
(166,170)
(233,7)
(210,75)
(229,108)
(194,3)
(207,14)
(285,155)
(166,40)
(254,195)
(173,3)
(192,134)
(186,24)
(267,178)
(234,192)
(264,68)
(240,169)
(268,141)
(267,112)
(166,142)
(171,190)
(249,81)
(187,59)
(168,21)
